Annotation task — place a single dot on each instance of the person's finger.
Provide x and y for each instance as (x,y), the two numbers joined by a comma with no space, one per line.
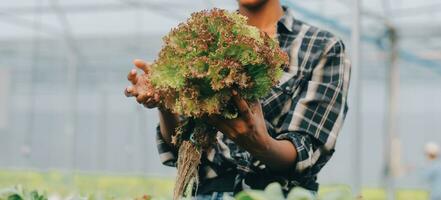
(150,94)
(242,106)
(152,101)
(131,91)
(132,76)
(239,126)
(156,97)
(127,93)
(141,64)
(232,128)
(221,125)
(256,107)
(142,98)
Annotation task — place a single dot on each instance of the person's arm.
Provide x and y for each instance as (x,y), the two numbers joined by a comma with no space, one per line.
(145,95)
(278,155)
(313,122)
(168,122)
(164,131)
(317,114)
(250,132)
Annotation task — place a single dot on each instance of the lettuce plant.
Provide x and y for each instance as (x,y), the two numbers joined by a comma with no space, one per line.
(214,52)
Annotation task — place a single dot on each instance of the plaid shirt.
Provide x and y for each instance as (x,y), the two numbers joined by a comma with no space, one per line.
(307,107)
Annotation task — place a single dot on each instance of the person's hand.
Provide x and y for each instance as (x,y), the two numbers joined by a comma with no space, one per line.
(248,130)
(141,88)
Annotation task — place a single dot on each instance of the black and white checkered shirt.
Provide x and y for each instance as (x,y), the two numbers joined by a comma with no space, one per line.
(307,107)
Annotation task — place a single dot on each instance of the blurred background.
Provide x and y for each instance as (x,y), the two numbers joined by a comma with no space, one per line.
(63,67)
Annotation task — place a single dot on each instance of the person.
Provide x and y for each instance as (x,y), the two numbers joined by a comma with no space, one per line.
(433,171)
(286,137)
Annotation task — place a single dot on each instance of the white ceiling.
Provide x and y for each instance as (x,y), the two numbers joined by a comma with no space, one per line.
(417,21)
(19,18)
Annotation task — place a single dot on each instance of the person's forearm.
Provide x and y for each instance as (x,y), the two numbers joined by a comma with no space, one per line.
(275,154)
(167,124)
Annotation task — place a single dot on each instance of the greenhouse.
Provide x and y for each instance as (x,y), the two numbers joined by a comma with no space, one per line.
(67,128)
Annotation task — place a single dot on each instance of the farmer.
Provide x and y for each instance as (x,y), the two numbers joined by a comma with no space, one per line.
(433,171)
(286,137)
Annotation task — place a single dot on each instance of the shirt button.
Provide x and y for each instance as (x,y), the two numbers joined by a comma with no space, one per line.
(287,88)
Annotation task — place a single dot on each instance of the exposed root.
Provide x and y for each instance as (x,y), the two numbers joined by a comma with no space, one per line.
(189,158)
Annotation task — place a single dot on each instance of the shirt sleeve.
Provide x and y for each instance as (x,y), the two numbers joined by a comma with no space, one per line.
(316,115)
(167,156)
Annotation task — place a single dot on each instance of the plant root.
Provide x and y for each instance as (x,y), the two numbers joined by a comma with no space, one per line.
(189,158)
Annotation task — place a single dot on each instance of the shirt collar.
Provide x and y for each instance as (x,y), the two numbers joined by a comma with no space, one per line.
(287,19)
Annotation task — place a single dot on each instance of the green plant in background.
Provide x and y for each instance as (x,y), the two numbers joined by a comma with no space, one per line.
(18,193)
(92,186)
(274,192)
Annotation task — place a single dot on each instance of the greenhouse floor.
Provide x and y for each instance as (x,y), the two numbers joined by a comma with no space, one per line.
(101,186)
